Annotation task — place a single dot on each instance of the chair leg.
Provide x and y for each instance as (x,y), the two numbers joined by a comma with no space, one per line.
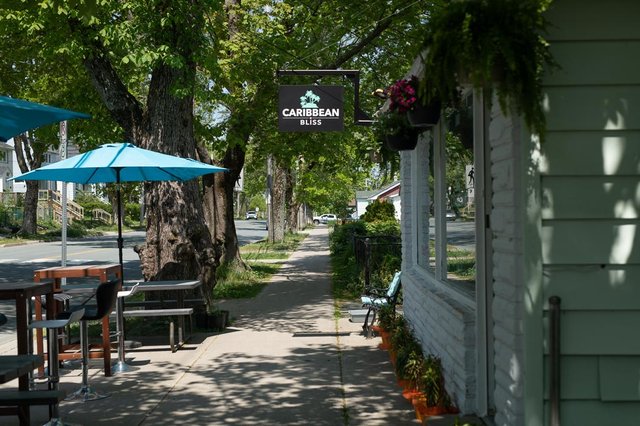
(373,321)
(85,393)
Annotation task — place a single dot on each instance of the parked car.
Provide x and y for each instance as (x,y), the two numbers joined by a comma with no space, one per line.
(451,215)
(251,215)
(325,218)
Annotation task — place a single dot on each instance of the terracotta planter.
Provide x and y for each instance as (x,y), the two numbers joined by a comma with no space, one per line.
(425,116)
(420,407)
(410,394)
(436,411)
(384,346)
(401,142)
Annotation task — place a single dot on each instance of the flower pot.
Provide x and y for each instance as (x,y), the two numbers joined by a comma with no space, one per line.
(410,394)
(215,321)
(220,320)
(420,407)
(401,142)
(425,116)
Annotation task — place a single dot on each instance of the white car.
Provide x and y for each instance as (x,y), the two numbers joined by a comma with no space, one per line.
(251,215)
(324,219)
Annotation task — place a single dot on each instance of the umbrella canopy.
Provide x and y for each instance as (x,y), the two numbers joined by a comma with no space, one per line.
(18,116)
(121,162)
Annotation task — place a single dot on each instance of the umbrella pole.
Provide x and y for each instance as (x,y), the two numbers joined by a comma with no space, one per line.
(121,366)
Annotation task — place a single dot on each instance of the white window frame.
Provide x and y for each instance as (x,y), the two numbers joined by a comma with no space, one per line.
(438,277)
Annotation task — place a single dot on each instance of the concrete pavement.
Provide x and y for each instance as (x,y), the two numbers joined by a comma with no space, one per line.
(286,359)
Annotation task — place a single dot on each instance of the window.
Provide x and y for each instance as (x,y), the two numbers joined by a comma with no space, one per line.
(4,157)
(446,240)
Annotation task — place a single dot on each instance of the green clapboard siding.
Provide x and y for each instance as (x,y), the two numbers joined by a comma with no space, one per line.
(593,108)
(578,377)
(598,333)
(591,242)
(591,197)
(593,20)
(581,153)
(597,413)
(592,287)
(591,63)
(620,379)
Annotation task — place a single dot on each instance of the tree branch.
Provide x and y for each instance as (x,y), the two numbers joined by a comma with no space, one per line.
(380,27)
(123,106)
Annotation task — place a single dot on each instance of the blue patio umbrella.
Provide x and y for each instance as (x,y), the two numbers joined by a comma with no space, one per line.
(18,116)
(115,163)
(121,162)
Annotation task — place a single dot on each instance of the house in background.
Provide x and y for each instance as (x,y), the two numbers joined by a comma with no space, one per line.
(6,162)
(390,193)
(559,219)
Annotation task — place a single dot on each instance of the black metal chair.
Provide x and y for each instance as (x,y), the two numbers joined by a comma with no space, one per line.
(106,296)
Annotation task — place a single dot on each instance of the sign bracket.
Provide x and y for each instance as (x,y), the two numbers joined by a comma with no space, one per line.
(359,116)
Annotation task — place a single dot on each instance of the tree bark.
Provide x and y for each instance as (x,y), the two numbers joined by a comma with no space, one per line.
(291,205)
(26,163)
(178,244)
(218,205)
(278,201)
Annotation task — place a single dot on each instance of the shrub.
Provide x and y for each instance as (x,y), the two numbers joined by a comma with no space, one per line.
(379,211)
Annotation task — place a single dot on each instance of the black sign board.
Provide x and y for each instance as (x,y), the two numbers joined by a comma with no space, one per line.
(311,109)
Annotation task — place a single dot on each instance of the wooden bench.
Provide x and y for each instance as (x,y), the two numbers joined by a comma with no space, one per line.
(171,312)
(12,401)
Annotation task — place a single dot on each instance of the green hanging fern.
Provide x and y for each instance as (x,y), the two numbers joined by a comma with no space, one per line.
(491,44)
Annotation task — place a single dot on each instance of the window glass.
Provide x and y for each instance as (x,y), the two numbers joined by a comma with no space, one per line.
(446,199)
(460,195)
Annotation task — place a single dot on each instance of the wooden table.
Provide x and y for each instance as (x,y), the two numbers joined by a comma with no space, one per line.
(22,294)
(14,366)
(101,272)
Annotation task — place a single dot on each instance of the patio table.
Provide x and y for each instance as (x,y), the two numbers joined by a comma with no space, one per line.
(102,273)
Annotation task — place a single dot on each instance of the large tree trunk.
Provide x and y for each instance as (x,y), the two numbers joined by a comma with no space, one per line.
(28,161)
(278,200)
(291,204)
(218,205)
(178,244)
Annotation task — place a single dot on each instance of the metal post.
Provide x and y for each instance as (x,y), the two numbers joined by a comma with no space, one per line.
(63,155)
(554,360)
(367,259)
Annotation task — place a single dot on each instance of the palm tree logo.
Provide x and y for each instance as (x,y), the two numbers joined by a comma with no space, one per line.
(309,100)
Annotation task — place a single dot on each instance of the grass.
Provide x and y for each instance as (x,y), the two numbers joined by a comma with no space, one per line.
(234,284)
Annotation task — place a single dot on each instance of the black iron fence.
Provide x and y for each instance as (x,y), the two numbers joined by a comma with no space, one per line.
(377,257)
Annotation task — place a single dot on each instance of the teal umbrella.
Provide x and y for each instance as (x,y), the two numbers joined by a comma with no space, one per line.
(121,162)
(18,116)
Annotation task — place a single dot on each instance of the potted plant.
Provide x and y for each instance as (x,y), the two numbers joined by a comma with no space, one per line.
(491,44)
(212,318)
(394,129)
(419,102)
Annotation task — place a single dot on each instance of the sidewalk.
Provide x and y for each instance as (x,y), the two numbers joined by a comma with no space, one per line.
(285,360)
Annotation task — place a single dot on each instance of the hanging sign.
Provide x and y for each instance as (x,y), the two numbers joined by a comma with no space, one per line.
(311,109)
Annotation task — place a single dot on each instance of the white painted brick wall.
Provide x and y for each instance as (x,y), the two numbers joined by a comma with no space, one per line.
(507,309)
(443,326)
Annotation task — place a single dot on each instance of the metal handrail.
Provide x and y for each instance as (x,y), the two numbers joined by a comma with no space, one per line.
(554,360)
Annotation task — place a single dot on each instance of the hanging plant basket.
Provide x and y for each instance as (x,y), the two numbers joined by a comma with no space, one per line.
(425,116)
(401,142)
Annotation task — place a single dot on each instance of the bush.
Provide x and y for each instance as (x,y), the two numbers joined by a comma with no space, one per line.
(379,211)
(385,259)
